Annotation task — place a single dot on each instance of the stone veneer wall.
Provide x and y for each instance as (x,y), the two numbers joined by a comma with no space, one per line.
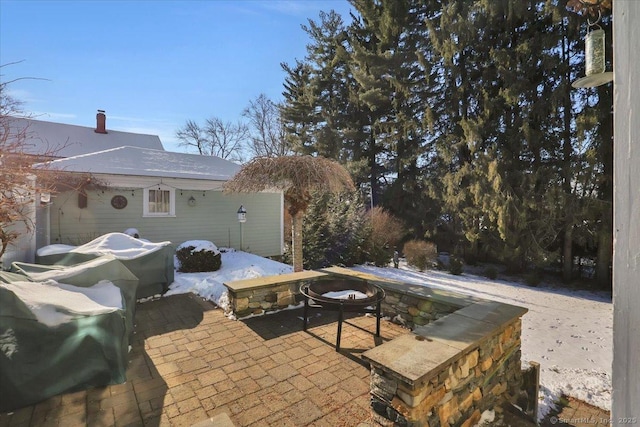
(456,392)
(254,297)
(413,310)
(258,301)
(264,294)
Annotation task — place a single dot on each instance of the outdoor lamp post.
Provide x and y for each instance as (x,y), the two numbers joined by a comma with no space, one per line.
(242,218)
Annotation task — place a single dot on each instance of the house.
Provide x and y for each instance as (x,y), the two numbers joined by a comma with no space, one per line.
(137,184)
(59,140)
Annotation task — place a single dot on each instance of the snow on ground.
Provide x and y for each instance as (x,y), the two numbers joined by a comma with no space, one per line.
(236,265)
(569,332)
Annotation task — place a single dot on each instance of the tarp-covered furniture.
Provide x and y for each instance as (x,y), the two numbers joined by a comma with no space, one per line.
(57,338)
(87,274)
(151,262)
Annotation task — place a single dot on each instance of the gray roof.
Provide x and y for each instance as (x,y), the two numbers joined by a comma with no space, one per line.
(62,140)
(147,162)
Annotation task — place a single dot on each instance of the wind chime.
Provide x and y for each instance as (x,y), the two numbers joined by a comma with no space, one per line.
(594,53)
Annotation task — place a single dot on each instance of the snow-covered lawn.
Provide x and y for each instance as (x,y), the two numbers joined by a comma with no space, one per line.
(568,332)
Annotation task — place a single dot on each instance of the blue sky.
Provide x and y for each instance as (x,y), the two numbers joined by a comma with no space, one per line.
(151,65)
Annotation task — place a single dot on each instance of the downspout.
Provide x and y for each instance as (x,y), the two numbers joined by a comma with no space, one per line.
(47,214)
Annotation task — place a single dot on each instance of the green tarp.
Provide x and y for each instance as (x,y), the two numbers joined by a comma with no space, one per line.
(88,274)
(152,263)
(40,359)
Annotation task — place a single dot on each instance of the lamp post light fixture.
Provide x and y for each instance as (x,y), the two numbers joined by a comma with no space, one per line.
(242,218)
(242,214)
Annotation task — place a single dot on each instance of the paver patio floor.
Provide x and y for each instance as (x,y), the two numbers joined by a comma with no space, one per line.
(189,362)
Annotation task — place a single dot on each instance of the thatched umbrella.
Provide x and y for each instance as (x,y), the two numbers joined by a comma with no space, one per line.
(297,177)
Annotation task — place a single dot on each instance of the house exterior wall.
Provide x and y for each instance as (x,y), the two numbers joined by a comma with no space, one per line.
(23,248)
(213,218)
(625,408)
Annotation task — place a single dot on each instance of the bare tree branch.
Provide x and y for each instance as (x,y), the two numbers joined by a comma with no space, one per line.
(215,138)
(267,132)
(20,183)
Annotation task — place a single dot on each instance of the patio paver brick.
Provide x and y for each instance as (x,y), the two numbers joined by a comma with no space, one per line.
(189,362)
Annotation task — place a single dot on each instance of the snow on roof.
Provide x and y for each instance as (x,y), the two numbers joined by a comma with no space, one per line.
(148,162)
(63,140)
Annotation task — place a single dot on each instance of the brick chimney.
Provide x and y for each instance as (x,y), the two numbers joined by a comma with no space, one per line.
(101,122)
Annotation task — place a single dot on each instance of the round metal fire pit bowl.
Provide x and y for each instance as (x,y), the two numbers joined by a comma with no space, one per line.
(318,289)
(315,296)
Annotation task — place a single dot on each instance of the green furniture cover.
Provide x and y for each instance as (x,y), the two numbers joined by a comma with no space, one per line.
(151,262)
(86,274)
(57,337)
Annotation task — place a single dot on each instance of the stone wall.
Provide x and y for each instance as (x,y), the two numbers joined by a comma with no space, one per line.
(454,392)
(413,310)
(260,300)
(257,296)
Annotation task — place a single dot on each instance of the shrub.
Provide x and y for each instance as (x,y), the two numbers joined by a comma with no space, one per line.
(420,254)
(455,266)
(198,256)
(532,278)
(385,232)
(491,272)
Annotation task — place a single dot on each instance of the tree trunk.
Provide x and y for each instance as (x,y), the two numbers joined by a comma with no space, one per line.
(605,235)
(296,241)
(567,165)
(567,254)
(605,252)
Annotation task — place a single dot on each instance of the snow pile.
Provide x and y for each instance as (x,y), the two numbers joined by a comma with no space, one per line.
(120,245)
(346,294)
(54,303)
(486,419)
(133,232)
(199,246)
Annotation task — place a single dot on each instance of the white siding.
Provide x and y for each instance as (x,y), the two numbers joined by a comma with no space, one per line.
(626,262)
(212,218)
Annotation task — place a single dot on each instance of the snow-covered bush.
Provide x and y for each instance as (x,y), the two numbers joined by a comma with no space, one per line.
(198,256)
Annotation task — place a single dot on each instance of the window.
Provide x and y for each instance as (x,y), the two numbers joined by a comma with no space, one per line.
(159,200)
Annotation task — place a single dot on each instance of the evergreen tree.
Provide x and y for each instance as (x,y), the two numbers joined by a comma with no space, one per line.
(459,117)
(335,230)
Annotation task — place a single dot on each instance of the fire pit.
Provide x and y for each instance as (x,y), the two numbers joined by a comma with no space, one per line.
(342,295)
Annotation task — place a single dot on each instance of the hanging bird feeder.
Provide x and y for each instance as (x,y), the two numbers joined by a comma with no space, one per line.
(594,53)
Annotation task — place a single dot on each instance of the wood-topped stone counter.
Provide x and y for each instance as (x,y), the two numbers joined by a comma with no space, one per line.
(461,359)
